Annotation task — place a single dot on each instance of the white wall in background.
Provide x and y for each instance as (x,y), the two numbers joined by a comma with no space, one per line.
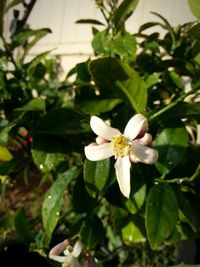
(73,41)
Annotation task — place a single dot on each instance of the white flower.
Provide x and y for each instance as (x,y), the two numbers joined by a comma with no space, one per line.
(69,259)
(126,147)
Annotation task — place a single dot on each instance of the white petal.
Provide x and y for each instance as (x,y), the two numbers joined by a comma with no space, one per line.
(59,258)
(137,124)
(98,152)
(78,247)
(144,154)
(146,140)
(122,167)
(75,263)
(100,128)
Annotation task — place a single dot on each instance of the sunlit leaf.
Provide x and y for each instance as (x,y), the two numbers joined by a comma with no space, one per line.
(5,154)
(134,231)
(36,104)
(195,7)
(161,214)
(115,78)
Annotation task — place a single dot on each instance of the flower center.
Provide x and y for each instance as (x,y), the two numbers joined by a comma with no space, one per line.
(121,146)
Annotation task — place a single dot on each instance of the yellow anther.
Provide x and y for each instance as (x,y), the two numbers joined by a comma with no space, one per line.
(121,146)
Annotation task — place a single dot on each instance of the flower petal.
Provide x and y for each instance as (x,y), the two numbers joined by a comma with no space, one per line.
(146,140)
(99,127)
(98,152)
(122,168)
(78,247)
(137,124)
(144,154)
(58,258)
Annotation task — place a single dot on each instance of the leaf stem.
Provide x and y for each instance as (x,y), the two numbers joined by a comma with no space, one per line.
(166,108)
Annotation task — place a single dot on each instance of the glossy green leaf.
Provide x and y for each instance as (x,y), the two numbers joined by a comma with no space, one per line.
(96,107)
(36,104)
(134,231)
(5,154)
(53,200)
(125,9)
(95,175)
(92,232)
(22,226)
(161,214)
(195,7)
(137,195)
(115,78)
(47,161)
(171,144)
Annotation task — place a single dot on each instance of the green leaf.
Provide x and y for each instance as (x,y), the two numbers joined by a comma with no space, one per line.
(176,79)
(194,31)
(124,45)
(115,78)
(186,209)
(101,43)
(23,36)
(96,107)
(161,214)
(36,104)
(152,80)
(5,154)
(92,232)
(53,200)
(47,161)
(182,110)
(194,7)
(171,144)
(137,196)
(60,121)
(95,175)
(30,66)
(125,9)
(134,231)
(82,201)
(22,226)
(90,21)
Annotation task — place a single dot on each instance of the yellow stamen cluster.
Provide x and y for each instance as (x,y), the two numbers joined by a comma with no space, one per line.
(121,146)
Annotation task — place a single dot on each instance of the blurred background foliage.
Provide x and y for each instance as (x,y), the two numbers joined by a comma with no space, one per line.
(50,192)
